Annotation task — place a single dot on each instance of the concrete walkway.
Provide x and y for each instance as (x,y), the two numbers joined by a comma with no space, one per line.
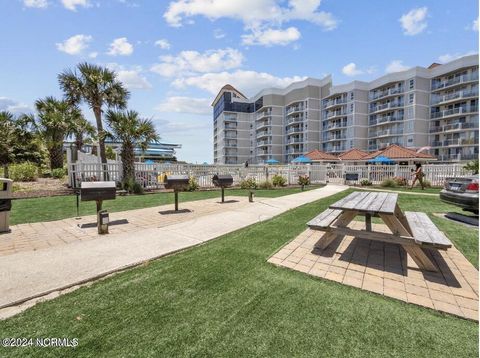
(29,274)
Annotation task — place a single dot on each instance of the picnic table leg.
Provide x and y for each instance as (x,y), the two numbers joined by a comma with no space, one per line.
(343,220)
(416,252)
(368,222)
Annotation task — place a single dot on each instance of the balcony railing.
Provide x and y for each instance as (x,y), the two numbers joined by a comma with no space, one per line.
(264,114)
(334,102)
(335,137)
(385,133)
(261,143)
(294,140)
(263,134)
(454,81)
(336,126)
(294,109)
(454,142)
(454,111)
(452,96)
(292,120)
(263,124)
(385,119)
(386,93)
(230,127)
(294,130)
(385,106)
(453,127)
(335,114)
(231,143)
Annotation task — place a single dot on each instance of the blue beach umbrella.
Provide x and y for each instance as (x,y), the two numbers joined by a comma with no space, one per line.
(302,159)
(272,161)
(381,160)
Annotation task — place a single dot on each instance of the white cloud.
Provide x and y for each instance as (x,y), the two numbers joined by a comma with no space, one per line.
(248,82)
(351,70)
(163,44)
(40,4)
(178,104)
(74,45)
(219,34)
(270,37)
(72,4)
(120,47)
(253,13)
(191,62)
(453,56)
(396,66)
(132,77)
(10,105)
(474,26)
(414,22)
(93,54)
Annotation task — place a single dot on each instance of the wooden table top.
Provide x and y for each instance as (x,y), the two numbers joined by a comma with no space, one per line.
(368,202)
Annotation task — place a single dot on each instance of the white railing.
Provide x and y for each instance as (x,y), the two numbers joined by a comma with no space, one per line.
(151,176)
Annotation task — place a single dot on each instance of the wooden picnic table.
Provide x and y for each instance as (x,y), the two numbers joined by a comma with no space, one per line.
(413,231)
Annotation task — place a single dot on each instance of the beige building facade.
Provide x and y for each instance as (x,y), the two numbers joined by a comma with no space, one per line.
(434,108)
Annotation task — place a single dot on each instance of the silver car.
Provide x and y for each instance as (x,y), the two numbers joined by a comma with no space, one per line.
(462,192)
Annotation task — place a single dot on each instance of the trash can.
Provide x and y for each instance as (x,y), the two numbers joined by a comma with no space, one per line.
(6,192)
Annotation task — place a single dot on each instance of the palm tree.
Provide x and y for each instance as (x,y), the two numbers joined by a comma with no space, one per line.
(132,131)
(7,138)
(56,120)
(82,130)
(98,87)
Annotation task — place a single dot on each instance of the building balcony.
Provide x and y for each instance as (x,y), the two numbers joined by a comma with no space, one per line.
(454,112)
(386,107)
(291,141)
(295,150)
(262,153)
(229,118)
(293,120)
(458,156)
(385,93)
(438,85)
(230,136)
(335,126)
(229,127)
(385,119)
(334,103)
(331,115)
(263,134)
(436,99)
(264,143)
(385,133)
(453,127)
(333,138)
(263,114)
(263,124)
(230,144)
(294,109)
(298,129)
(230,153)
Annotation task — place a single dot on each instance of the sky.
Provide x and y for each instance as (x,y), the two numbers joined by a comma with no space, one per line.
(175,55)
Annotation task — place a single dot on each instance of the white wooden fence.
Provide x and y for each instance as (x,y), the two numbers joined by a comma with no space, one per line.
(151,176)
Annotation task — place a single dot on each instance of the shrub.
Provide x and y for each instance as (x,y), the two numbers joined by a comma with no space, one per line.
(45,173)
(388,183)
(59,173)
(265,185)
(400,181)
(365,182)
(473,166)
(192,184)
(249,183)
(23,172)
(278,180)
(303,180)
(137,188)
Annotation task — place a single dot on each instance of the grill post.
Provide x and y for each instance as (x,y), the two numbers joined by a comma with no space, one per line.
(176,200)
(223,194)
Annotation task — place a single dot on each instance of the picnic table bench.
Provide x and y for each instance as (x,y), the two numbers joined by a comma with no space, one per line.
(414,231)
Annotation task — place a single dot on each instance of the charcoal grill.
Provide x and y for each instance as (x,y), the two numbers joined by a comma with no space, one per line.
(177,183)
(99,191)
(6,189)
(222,181)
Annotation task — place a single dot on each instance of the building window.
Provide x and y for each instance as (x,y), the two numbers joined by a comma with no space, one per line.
(412,83)
(351,95)
(411,98)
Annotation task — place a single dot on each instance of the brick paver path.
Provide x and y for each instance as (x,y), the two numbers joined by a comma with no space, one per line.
(387,270)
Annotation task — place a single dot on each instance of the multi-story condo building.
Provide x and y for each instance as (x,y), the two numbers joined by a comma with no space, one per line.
(434,107)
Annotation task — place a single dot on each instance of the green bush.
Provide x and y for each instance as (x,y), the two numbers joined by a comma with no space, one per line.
(303,180)
(137,188)
(192,184)
(400,181)
(265,185)
(388,183)
(473,166)
(365,182)
(249,183)
(23,172)
(45,173)
(59,173)
(278,180)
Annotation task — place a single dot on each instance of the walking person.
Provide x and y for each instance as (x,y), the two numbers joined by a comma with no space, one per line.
(418,174)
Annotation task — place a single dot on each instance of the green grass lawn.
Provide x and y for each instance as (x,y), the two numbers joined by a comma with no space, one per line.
(61,207)
(223,299)
(416,189)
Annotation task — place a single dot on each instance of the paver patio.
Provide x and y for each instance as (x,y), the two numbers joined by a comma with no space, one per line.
(387,270)
(72,258)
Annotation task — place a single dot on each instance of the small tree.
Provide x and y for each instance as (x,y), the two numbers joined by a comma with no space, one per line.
(132,131)
(473,166)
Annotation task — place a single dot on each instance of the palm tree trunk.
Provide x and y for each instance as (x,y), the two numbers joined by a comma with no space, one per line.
(101,140)
(128,161)
(56,156)
(5,170)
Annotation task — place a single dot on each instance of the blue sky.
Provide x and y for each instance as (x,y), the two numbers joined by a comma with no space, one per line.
(175,55)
